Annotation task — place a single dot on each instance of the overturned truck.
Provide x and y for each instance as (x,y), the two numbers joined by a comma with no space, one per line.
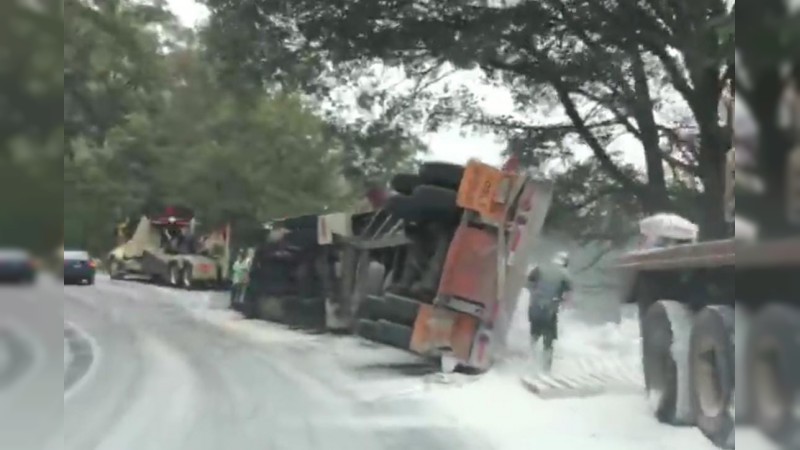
(435,269)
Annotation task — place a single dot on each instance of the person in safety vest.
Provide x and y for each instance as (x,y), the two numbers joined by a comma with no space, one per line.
(548,286)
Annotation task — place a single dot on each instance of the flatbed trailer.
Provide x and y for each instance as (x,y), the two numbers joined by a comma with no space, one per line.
(203,263)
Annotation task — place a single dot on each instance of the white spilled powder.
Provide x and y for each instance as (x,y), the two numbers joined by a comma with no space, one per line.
(510,417)
(607,343)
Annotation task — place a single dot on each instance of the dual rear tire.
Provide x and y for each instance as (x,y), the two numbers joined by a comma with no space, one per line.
(690,363)
(689,367)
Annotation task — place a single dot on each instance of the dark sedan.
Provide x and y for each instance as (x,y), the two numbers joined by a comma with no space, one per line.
(17,266)
(79,267)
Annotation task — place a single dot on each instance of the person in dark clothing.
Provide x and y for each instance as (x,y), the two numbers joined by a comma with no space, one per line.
(547,285)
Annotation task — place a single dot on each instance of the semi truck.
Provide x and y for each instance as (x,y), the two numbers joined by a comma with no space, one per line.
(715,312)
(166,248)
(435,269)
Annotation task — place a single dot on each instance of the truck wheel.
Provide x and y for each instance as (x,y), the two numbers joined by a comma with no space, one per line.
(248,308)
(435,203)
(742,321)
(441,174)
(371,308)
(665,343)
(174,278)
(405,183)
(403,207)
(385,333)
(712,368)
(368,329)
(400,310)
(369,280)
(187,281)
(302,237)
(394,335)
(115,269)
(300,222)
(773,362)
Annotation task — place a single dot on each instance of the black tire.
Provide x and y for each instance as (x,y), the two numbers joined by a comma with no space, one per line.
(385,333)
(369,279)
(115,269)
(773,363)
(435,203)
(371,308)
(743,319)
(712,367)
(90,281)
(302,237)
(300,222)
(660,368)
(405,183)
(441,174)
(394,335)
(400,310)
(248,308)
(368,329)
(403,207)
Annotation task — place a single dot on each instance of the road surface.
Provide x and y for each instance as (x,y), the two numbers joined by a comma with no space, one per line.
(149,368)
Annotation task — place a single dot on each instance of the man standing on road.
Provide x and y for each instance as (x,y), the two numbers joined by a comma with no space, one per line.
(548,285)
(240,269)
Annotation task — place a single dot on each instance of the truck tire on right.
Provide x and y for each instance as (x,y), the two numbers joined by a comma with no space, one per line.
(405,183)
(384,332)
(665,340)
(115,269)
(435,203)
(712,368)
(442,174)
(773,361)
(400,310)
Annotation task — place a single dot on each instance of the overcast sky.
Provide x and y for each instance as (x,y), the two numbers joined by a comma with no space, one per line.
(447,145)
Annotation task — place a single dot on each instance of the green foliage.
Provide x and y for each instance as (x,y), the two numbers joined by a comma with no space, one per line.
(606,67)
(31,128)
(152,120)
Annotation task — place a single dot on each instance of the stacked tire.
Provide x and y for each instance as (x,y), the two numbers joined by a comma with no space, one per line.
(429,195)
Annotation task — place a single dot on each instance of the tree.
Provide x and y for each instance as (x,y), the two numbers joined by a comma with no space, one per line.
(185,138)
(31,130)
(608,65)
(112,64)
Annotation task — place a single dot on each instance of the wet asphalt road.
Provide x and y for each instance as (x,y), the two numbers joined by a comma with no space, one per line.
(145,374)
(30,367)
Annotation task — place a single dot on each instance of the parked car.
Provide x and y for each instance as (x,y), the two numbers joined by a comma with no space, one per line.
(79,267)
(17,266)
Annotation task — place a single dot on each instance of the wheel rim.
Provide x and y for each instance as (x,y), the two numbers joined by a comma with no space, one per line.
(187,277)
(707,375)
(771,396)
